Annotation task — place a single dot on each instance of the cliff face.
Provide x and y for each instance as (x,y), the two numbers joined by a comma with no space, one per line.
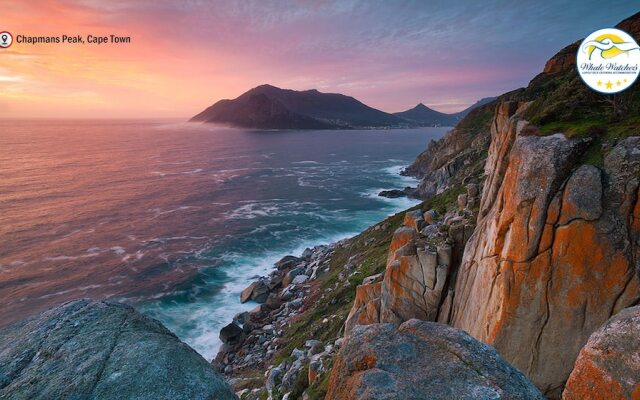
(460,153)
(555,253)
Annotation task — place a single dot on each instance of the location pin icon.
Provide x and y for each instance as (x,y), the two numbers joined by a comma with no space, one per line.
(4,39)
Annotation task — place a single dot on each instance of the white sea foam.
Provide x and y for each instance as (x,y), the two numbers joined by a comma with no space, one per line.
(199,322)
(305,162)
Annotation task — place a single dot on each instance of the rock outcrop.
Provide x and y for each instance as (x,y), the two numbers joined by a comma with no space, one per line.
(99,350)
(608,366)
(422,360)
(555,252)
(419,270)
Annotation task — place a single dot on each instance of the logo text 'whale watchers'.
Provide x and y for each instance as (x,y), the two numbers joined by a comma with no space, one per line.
(608,60)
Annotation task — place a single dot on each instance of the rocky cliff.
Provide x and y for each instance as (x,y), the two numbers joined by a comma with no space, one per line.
(555,253)
(555,249)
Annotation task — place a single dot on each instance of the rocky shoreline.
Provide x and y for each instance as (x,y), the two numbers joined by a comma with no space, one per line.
(254,337)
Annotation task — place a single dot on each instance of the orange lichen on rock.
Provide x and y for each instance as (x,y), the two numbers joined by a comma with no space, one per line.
(366,306)
(552,259)
(607,367)
(401,237)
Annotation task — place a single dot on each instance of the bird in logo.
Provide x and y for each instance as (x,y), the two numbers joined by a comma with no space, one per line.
(607,46)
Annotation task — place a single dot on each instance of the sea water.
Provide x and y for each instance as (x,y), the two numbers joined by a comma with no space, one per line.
(177,218)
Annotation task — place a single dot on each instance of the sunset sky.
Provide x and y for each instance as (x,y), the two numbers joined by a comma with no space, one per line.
(185,55)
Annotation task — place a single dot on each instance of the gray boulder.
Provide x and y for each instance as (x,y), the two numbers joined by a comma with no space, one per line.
(98,350)
(423,360)
(231,333)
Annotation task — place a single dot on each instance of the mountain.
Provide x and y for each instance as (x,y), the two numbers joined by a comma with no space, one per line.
(269,107)
(425,116)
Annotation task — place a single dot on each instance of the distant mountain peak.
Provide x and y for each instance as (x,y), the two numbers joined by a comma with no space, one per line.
(423,115)
(269,107)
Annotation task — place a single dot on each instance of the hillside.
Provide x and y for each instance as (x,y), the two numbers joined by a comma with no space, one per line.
(425,116)
(269,107)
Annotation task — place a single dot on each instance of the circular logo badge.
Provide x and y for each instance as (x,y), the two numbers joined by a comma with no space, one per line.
(5,39)
(608,60)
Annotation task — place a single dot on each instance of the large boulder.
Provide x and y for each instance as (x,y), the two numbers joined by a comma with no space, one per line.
(422,360)
(258,291)
(609,364)
(231,333)
(555,251)
(98,350)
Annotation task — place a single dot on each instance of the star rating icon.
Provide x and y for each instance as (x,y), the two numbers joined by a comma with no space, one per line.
(609,85)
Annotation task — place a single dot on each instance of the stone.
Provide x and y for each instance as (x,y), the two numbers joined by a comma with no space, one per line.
(297,353)
(430,231)
(290,275)
(274,378)
(314,370)
(260,292)
(414,219)
(608,365)
(241,318)
(300,279)
(462,200)
(273,301)
(274,282)
(430,216)
(393,193)
(401,237)
(423,360)
(473,190)
(366,306)
(231,333)
(99,350)
(582,196)
(413,284)
(312,343)
(288,262)
(288,293)
(372,279)
(307,253)
(245,295)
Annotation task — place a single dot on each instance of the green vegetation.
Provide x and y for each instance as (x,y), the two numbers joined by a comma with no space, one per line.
(479,119)
(563,103)
(445,201)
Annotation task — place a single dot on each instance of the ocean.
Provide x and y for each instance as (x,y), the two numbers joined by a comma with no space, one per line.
(177,218)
